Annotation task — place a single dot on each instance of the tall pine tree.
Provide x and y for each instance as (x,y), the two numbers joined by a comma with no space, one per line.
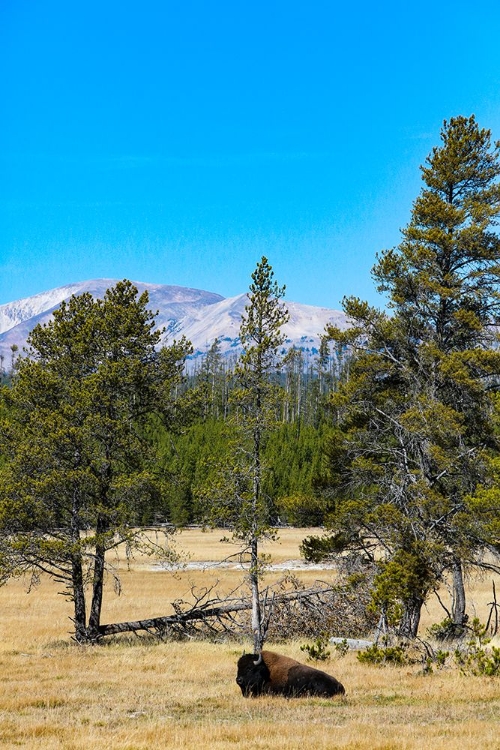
(415,413)
(236,498)
(261,337)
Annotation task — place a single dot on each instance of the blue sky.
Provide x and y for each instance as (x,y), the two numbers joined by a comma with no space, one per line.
(178,142)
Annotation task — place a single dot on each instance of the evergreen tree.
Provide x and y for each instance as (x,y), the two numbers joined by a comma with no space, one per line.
(237,499)
(293,399)
(261,337)
(213,383)
(415,413)
(78,469)
(192,462)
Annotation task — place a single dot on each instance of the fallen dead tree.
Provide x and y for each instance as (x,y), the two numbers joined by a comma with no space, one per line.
(289,610)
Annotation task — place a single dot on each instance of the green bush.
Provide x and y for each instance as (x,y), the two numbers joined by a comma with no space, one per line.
(476,658)
(318,649)
(378,655)
(446,630)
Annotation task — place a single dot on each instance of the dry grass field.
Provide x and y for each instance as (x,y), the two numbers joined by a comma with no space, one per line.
(134,694)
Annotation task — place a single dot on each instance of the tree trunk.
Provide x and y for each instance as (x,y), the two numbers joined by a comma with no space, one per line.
(256,613)
(258,640)
(215,610)
(458,616)
(78,587)
(78,596)
(98,581)
(408,627)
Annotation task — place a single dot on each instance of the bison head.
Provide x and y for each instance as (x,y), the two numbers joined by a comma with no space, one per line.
(253,675)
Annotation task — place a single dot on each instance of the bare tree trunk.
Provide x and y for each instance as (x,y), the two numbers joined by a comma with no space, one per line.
(78,596)
(258,640)
(458,605)
(222,611)
(492,624)
(256,613)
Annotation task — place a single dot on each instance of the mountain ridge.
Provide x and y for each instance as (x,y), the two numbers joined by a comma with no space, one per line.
(198,315)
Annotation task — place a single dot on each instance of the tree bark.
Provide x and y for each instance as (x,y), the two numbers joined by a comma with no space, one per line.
(256,612)
(458,605)
(258,639)
(78,596)
(408,627)
(78,588)
(98,581)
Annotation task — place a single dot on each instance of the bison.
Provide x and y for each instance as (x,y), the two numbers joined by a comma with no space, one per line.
(275,674)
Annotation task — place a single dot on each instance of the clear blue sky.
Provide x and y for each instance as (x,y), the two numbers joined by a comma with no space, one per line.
(177,142)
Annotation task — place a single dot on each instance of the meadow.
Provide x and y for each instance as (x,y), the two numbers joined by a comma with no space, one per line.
(134,693)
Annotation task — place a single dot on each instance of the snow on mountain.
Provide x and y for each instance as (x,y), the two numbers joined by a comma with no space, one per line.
(222,321)
(199,315)
(14,313)
(177,300)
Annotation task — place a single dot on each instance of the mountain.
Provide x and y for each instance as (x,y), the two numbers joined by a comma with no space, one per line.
(200,316)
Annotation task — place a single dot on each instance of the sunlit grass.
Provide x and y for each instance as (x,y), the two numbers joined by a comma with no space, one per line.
(136,693)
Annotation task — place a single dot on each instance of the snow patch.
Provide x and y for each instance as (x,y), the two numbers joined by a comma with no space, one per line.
(198,315)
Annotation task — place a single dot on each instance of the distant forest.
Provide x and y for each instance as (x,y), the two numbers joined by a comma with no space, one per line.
(292,451)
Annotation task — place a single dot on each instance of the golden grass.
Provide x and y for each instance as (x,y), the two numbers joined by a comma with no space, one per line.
(135,694)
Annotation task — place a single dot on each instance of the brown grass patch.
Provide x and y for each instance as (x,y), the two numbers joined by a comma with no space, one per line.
(135,694)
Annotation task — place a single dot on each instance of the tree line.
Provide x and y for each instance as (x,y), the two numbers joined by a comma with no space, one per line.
(389,440)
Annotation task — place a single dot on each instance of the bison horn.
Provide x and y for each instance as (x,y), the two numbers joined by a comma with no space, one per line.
(258,660)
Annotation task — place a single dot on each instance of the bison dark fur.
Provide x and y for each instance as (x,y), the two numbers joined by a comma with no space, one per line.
(279,675)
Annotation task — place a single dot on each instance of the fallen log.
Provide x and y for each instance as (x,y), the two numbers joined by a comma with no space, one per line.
(217,616)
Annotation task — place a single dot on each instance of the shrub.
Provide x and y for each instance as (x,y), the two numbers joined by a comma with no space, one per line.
(446,630)
(378,655)
(476,658)
(318,649)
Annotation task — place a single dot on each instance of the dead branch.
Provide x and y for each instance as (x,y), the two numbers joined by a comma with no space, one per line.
(202,610)
(494,607)
(290,610)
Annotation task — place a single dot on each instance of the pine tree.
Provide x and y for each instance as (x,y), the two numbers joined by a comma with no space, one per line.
(261,337)
(415,413)
(235,498)
(77,467)
(213,382)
